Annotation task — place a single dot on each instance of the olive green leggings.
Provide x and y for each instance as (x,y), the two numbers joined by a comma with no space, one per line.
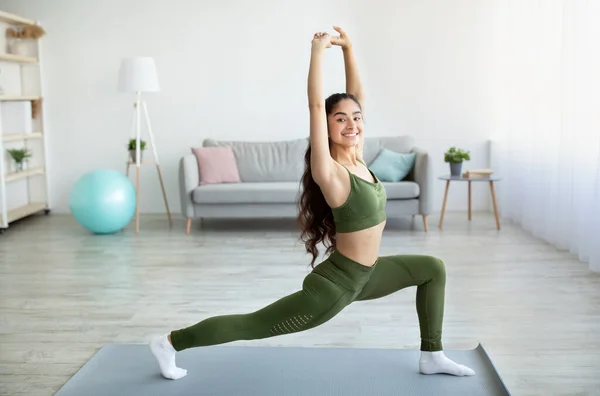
(332,285)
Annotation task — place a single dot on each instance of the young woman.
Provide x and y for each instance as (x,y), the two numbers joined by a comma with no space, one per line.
(342,206)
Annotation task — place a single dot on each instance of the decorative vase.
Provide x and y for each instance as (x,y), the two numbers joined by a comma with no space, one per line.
(132,155)
(455,168)
(19,166)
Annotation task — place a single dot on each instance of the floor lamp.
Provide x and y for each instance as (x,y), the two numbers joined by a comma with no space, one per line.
(138,75)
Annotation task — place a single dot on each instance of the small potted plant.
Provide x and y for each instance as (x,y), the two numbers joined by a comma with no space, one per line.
(455,158)
(20,36)
(132,149)
(19,156)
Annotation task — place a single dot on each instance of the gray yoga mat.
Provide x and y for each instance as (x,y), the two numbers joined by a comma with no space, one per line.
(128,369)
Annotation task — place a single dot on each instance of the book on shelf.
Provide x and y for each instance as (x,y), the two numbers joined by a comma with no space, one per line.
(478,173)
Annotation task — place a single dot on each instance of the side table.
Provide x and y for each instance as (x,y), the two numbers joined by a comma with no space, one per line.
(470,180)
(137,190)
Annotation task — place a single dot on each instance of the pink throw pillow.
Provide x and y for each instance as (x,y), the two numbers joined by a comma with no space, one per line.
(217,165)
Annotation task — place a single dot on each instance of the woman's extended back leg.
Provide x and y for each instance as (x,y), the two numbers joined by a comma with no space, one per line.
(318,301)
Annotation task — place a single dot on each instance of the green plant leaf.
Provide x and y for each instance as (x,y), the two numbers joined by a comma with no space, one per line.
(18,155)
(132,145)
(454,155)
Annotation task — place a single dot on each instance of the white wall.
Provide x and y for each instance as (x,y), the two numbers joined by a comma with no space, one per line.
(237,70)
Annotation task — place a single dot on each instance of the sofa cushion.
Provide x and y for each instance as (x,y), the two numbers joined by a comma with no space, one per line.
(216,165)
(391,166)
(267,192)
(402,190)
(276,161)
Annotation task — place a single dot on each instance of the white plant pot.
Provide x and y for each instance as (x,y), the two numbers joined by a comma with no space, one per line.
(132,155)
(19,47)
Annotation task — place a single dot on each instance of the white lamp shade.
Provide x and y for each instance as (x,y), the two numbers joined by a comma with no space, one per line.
(138,74)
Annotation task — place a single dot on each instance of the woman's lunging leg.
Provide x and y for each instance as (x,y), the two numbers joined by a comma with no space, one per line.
(428,274)
(393,273)
(318,301)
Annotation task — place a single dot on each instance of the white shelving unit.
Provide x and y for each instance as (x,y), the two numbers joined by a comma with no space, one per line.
(22,192)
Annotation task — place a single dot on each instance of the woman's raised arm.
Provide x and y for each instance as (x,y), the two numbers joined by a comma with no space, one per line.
(354,84)
(321,162)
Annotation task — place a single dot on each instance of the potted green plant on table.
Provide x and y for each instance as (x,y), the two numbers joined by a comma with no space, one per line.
(132,149)
(19,156)
(455,158)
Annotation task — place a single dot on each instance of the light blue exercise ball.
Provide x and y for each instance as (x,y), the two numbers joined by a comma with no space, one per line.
(103,201)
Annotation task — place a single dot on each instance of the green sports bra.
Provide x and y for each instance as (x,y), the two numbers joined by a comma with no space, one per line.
(365,206)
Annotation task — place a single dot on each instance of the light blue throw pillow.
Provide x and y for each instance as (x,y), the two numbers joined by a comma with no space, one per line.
(390,166)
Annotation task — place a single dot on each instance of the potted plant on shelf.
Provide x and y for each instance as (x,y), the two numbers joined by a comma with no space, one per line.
(455,158)
(21,36)
(19,156)
(132,149)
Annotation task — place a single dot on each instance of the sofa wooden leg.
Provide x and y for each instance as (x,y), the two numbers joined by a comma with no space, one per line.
(425,223)
(188,225)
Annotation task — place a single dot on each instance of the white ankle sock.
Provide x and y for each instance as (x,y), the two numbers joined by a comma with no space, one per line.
(164,353)
(438,363)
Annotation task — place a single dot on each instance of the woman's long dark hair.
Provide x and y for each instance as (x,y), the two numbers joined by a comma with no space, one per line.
(315,215)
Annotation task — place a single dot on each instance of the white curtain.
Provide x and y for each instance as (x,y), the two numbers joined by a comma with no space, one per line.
(546,120)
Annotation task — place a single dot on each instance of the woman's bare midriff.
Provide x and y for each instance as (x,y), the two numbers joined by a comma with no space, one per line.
(361,246)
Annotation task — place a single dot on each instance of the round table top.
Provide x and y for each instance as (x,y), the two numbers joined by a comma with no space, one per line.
(473,179)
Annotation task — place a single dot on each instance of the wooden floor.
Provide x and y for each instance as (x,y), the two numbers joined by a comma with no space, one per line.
(65,293)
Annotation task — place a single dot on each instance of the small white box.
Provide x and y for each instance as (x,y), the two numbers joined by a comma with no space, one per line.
(11,77)
(16,117)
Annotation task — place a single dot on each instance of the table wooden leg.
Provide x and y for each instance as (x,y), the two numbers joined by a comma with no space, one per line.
(495,204)
(469,182)
(188,225)
(164,193)
(444,204)
(425,225)
(137,199)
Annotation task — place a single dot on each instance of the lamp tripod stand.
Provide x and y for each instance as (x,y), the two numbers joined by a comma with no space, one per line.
(139,108)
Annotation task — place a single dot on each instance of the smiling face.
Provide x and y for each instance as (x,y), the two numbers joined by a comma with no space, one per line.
(345,123)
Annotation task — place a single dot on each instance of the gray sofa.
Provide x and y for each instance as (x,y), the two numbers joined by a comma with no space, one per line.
(270,174)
